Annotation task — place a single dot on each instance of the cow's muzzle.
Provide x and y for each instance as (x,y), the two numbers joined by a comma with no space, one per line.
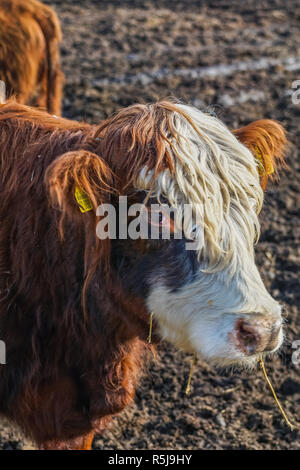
(257,333)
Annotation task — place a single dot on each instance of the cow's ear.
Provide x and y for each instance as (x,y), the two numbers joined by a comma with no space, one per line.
(266,139)
(78,182)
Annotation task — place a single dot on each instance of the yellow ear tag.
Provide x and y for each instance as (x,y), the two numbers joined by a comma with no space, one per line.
(266,166)
(84,202)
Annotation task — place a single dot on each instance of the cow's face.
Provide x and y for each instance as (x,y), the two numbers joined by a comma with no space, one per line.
(204,289)
(208,296)
(226,317)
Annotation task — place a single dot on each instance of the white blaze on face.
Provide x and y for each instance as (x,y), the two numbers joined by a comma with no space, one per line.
(218,177)
(201,316)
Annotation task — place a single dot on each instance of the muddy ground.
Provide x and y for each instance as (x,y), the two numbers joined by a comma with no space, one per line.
(241,57)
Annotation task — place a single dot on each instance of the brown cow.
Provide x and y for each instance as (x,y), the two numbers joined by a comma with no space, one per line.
(29,53)
(76,301)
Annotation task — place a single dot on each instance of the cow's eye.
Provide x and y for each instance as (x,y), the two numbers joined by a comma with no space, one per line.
(160,218)
(163,219)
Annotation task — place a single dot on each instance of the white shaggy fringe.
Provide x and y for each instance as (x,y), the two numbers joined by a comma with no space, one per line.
(218,177)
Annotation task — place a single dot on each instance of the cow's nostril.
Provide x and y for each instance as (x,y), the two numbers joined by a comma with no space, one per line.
(247,336)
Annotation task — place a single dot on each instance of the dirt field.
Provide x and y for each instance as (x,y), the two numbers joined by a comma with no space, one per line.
(241,57)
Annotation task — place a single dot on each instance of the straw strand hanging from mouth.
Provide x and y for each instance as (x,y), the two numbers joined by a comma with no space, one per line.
(188,387)
(262,365)
(150,328)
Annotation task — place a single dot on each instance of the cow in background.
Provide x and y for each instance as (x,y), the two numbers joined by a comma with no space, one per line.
(29,53)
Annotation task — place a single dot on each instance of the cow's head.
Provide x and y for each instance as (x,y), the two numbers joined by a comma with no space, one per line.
(210,299)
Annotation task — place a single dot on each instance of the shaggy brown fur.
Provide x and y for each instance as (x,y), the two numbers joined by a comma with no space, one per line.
(69,368)
(64,376)
(29,53)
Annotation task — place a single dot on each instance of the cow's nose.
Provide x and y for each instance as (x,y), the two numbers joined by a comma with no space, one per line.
(258,334)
